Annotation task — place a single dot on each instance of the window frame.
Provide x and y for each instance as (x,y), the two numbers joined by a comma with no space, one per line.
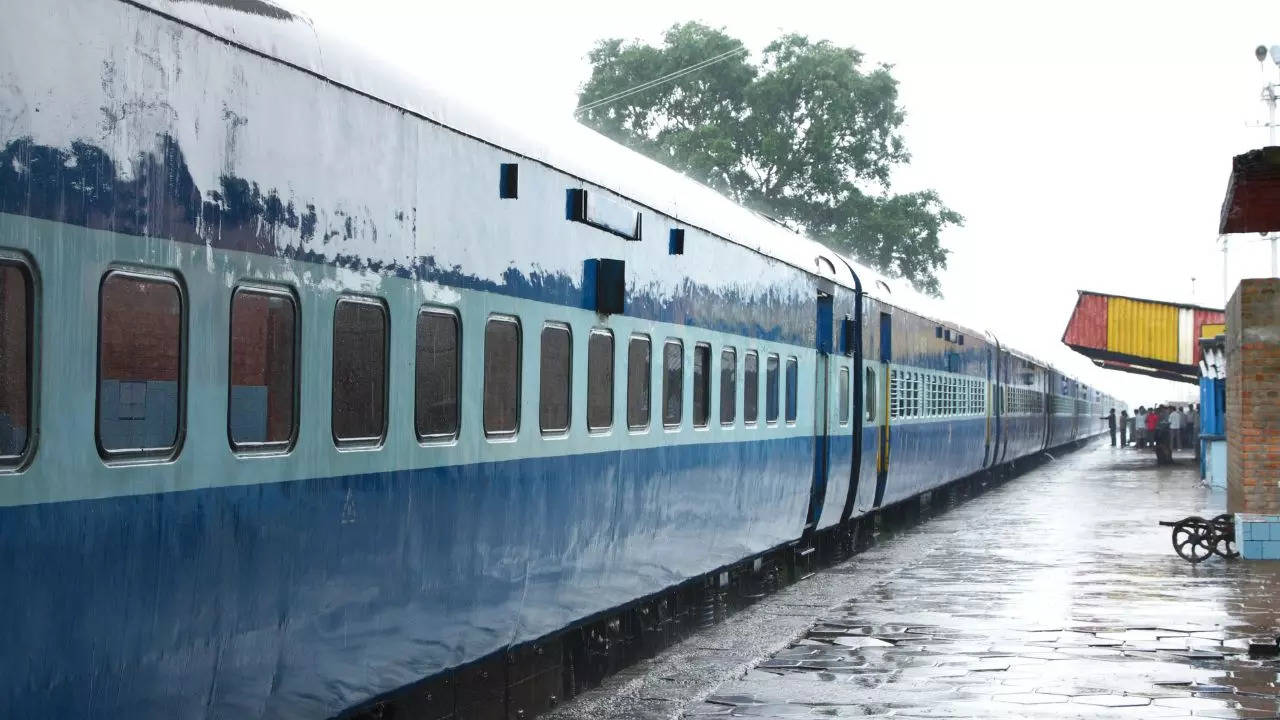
(371,442)
(648,381)
(568,419)
(751,387)
(706,381)
(679,397)
(502,435)
(12,464)
(278,447)
(869,393)
(733,391)
(613,380)
(144,455)
(449,312)
(792,390)
(776,396)
(844,403)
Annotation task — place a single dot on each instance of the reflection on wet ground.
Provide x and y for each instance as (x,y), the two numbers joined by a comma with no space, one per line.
(1063,599)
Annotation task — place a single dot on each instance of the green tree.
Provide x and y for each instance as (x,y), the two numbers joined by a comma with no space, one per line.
(808,136)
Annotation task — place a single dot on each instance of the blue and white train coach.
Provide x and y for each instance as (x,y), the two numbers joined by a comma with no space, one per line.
(314,385)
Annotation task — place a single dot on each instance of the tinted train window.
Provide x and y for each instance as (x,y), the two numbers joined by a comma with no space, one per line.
(554,378)
(600,380)
(261,401)
(672,383)
(771,389)
(793,377)
(701,384)
(751,387)
(436,375)
(16,326)
(359,371)
(843,389)
(139,364)
(869,391)
(501,376)
(638,383)
(728,386)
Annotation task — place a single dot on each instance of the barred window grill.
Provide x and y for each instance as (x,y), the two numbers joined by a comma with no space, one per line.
(895,395)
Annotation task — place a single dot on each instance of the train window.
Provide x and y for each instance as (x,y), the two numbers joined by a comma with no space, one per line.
(672,383)
(139,364)
(437,375)
(933,395)
(843,403)
(600,380)
(701,384)
(554,379)
(895,394)
(793,379)
(728,386)
(16,355)
(869,390)
(771,386)
(751,387)
(501,376)
(359,371)
(638,353)
(261,402)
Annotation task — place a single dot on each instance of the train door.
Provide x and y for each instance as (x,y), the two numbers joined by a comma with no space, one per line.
(821,408)
(993,420)
(882,444)
(1049,382)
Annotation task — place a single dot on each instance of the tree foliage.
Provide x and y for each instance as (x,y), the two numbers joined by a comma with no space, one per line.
(807,135)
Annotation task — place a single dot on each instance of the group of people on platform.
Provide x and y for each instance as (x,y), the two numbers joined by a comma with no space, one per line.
(1147,426)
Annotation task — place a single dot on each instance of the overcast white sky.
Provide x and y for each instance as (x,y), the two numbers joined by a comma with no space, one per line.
(1088,143)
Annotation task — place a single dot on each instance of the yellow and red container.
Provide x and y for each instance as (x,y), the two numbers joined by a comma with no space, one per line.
(1141,335)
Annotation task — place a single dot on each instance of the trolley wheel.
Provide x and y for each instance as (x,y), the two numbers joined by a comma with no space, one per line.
(1223,540)
(1191,539)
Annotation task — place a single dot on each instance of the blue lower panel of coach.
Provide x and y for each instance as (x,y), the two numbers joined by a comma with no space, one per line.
(839,475)
(924,455)
(299,599)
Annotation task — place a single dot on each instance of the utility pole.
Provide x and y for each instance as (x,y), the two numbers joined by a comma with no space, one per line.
(1269,97)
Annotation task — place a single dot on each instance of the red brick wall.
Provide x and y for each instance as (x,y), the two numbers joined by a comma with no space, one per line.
(1253,398)
(141,326)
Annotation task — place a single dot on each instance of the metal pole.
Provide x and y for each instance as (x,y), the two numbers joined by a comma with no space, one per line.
(1270,95)
(1226,289)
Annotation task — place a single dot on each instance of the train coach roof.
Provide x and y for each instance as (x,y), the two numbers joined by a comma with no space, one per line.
(273,30)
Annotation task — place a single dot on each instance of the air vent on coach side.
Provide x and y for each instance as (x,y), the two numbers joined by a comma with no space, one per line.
(509,181)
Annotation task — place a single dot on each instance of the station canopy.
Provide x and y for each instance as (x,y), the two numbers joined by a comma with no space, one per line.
(1252,203)
(1146,337)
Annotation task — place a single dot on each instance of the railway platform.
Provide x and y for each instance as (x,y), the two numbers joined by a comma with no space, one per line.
(1056,594)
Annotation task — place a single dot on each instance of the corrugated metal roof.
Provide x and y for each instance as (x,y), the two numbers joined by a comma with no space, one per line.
(1142,329)
(1252,202)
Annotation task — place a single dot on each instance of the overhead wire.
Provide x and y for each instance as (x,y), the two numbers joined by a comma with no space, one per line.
(658,81)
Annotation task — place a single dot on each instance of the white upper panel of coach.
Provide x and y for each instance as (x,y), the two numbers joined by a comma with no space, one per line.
(292,38)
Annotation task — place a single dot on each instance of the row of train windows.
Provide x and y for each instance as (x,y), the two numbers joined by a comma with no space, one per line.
(1023,400)
(914,393)
(1060,405)
(501,393)
(141,338)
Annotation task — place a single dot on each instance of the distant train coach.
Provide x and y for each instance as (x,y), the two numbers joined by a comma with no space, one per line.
(316,386)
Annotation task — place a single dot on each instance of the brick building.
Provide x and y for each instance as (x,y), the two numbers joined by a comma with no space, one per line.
(1253,397)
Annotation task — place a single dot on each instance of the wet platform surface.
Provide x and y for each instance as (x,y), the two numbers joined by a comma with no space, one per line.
(1054,595)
